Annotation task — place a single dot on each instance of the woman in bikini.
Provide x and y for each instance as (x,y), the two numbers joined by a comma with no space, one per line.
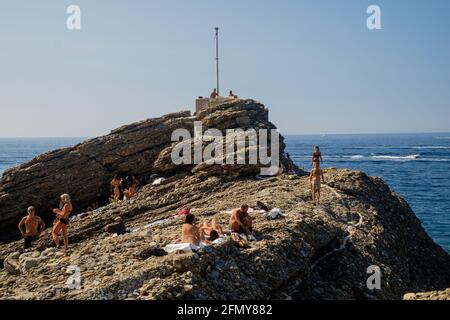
(316,156)
(116,183)
(62,221)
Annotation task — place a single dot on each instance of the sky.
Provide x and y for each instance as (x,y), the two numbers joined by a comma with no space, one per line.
(314,64)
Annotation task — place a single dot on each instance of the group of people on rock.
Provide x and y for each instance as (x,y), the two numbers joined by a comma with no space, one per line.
(215,95)
(240,222)
(128,193)
(32,226)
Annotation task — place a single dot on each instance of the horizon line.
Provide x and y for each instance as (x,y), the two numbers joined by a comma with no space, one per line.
(284,134)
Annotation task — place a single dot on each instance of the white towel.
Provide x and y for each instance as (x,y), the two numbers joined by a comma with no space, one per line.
(186,247)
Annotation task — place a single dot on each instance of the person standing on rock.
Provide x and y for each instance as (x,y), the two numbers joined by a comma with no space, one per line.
(316,156)
(34,226)
(214,94)
(116,184)
(62,221)
(315,178)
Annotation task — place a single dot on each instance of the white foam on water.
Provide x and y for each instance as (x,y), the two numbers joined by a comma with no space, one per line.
(386,157)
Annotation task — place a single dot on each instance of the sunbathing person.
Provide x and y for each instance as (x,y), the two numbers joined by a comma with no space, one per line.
(116,184)
(232,95)
(241,222)
(34,226)
(315,177)
(62,221)
(207,229)
(216,227)
(118,227)
(189,232)
(261,206)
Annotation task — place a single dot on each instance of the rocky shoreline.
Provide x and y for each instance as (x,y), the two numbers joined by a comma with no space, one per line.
(314,252)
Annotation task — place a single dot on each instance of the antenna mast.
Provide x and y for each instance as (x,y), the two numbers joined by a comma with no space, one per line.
(217,58)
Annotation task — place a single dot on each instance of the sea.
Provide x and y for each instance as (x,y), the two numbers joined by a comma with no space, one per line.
(417,166)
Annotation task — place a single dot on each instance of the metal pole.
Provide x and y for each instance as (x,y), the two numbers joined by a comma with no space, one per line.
(217,59)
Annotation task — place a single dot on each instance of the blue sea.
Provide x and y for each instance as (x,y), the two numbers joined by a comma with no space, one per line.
(417,166)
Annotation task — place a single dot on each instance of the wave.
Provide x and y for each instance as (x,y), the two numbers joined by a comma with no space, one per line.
(442,138)
(385,157)
(430,147)
(357,156)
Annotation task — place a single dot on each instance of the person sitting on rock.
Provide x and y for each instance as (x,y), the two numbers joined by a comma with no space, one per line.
(315,177)
(118,227)
(116,184)
(62,221)
(131,191)
(316,156)
(241,222)
(34,226)
(189,232)
(214,94)
(207,229)
(232,95)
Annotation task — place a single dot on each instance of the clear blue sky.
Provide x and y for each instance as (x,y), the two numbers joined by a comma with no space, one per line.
(313,63)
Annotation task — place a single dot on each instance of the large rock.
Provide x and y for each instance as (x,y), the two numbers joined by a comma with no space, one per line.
(314,252)
(143,148)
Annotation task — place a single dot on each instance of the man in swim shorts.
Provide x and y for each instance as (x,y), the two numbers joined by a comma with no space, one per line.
(241,222)
(34,226)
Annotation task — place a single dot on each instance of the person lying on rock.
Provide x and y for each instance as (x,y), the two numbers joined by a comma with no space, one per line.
(207,229)
(315,177)
(189,232)
(118,227)
(116,184)
(62,221)
(261,206)
(34,226)
(241,222)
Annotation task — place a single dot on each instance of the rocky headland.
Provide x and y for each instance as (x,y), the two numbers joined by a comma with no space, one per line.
(313,252)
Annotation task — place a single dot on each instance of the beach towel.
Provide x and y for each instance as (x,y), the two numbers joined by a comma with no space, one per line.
(158,181)
(275,213)
(183,212)
(152,251)
(220,240)
(239,240)
(186,247)
(155,223)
